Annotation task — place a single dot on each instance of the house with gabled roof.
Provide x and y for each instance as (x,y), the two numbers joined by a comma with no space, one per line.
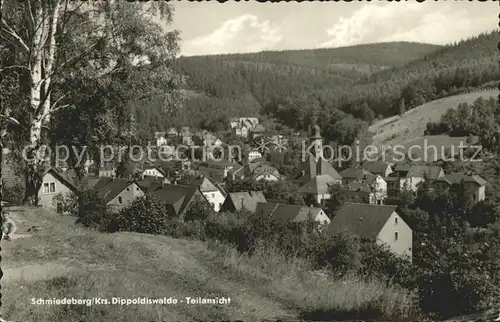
(177,198)
(238,201)
(319,187)
(160,138)
(292,213)
(172,132)
(54,183)
(153,171)
(312,168)
(118,193)
(411,177)
(474,185)
(380,224)
(354,174)
(210,190)
(381,168)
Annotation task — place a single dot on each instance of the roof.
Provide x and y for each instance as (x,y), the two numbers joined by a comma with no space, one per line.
(355,173)
(247,199)
(152,166)
(458,178)
(204,184)
(148,184)
(364,220)
(359,186)
(285,212)
(318,185)
(402,167)
(420,171)
(176,195)
(65,178)
(377,167)
(321,167)
(109,188)
(258,128)
(325,168)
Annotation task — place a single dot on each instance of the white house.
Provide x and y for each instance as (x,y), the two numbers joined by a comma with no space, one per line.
(212,193)
(153,171)
(254,154)
(160,139)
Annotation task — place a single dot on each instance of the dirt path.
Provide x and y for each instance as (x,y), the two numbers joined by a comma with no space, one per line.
(36,272)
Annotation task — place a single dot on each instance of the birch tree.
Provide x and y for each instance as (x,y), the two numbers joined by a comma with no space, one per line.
(57,41)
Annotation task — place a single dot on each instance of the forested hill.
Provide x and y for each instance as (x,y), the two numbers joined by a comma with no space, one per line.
(240,84)
(302,86)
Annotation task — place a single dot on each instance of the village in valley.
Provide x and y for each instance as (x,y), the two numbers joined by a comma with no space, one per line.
(178,181)
(268,162)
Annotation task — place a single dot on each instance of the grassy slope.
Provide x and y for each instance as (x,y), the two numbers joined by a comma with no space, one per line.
(63,260)
(411,125)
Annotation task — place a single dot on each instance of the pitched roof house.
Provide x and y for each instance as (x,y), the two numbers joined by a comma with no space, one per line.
(211,191)
(312,168)
(382,224)
(54,183)
(118,193)
(177,198)
(378,167)
(474,185)
(354,174)
(237,201)
(290,213)
(319,187)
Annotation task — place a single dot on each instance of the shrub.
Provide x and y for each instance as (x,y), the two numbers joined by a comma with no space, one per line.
(91,211)
(14,194)
(145,215)
(68,202)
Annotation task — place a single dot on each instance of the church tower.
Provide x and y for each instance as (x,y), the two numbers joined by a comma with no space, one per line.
(317,142)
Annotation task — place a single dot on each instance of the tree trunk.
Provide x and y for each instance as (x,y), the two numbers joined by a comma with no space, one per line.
(43,54)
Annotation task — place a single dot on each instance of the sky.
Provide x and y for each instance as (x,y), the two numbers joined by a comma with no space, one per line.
(235,27)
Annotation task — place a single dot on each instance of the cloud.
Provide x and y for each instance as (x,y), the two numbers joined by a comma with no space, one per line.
(245,33)
(405,22)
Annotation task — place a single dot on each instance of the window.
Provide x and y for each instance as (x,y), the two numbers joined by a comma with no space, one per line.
(396,220)
(396,235)
(120,200)
(128,189)
(49,187)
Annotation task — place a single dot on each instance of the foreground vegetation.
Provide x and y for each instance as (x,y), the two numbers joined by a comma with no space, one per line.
(262,286)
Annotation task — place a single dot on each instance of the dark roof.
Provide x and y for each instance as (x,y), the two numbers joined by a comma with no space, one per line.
(109,188)
(377,167)
(65,178)
(149,184)
(420,171)
(285,212)
(355,173)
(247,199)
(176,195)
(321,167)
(402,167)
(318,185)
(457,179)
(364,220)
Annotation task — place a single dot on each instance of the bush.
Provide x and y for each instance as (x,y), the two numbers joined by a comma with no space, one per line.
(68,202)
(91,211)
(14,194)
(145,215)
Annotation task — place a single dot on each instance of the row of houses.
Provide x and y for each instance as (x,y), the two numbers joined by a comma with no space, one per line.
(382,224)
(374,182)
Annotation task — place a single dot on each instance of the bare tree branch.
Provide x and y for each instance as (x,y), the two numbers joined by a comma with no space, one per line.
(11,32)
